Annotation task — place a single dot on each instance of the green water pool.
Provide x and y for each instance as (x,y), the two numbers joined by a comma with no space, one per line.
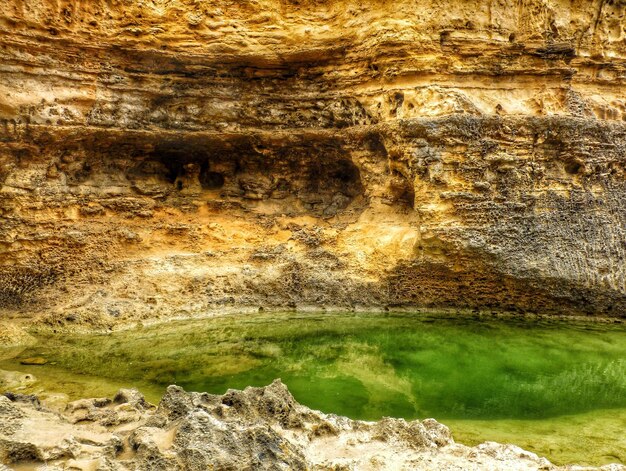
(552,387)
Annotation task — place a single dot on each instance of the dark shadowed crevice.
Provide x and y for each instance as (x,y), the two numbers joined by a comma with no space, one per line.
(573,167)
(322,181)
(210,180)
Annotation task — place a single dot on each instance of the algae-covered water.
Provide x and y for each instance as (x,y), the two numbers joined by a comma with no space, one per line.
(555,388)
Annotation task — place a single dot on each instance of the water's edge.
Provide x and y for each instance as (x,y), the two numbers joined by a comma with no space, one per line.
(607,423)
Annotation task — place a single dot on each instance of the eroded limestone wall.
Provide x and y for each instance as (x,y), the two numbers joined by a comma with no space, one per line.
(170,157)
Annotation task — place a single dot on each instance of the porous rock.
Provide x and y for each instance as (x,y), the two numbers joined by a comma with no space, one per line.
(257,428)
(417,153)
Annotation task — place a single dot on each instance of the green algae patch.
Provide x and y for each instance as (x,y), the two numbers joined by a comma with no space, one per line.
(591,438)
(555,388)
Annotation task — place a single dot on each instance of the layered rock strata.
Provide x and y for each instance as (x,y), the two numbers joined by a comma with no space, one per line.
(254,429)
(174,157)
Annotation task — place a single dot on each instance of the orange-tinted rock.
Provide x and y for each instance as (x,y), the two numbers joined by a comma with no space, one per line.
(181,157)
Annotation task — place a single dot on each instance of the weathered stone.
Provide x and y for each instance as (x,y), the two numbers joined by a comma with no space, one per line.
(462,154)
(258,428)
(34,361)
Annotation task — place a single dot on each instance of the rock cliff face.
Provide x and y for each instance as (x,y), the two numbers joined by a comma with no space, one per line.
(175,156)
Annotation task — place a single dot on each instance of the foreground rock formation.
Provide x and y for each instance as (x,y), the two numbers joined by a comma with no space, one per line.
(259,428)
(176,156)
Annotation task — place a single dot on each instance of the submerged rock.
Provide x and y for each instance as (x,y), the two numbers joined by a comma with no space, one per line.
(254,429)
(34,361)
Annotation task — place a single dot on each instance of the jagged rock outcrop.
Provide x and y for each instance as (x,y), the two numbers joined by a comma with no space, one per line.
(176,156)
(258,428)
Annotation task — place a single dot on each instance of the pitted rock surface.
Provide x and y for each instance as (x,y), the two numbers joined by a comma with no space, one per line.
(255,429)
(178,157)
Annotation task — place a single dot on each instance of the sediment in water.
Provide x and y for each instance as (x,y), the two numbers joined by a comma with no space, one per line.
(555,387)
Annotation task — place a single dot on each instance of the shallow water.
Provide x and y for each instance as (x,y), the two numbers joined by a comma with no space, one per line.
(555,388)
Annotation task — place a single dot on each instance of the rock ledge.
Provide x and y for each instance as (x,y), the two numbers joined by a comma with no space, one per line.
(257,428)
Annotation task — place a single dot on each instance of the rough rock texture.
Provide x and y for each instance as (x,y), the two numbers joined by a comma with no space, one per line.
(254,429)
(13,335)
(170,157)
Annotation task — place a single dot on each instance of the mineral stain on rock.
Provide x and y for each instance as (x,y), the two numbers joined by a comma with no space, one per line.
(191,156)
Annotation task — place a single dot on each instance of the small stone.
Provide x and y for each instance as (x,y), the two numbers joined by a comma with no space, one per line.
(194,18)
(34,361)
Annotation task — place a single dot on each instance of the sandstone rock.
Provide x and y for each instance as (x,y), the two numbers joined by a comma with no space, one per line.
(12,334)
(462,154)
(34,361)
(258,428)
(15,380)
(132,397)
(10,415)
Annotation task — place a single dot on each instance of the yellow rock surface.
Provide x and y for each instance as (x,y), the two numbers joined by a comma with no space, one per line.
(176,157)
